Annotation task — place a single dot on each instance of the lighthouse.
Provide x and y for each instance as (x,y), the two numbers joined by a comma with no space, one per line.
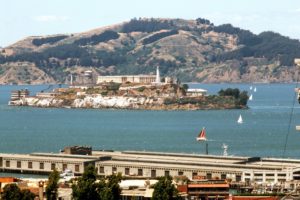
(157,80)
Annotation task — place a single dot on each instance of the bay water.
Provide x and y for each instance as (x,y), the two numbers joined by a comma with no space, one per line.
(268,129)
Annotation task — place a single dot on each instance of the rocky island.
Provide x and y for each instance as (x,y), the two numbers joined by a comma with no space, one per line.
(131,95)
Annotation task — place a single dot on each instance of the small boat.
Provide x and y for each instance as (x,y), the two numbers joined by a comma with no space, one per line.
(254,89)
(250,87)
(202,135)
(240,120)
(251,97)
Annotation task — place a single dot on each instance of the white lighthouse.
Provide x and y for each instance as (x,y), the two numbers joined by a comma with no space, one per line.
(157,80)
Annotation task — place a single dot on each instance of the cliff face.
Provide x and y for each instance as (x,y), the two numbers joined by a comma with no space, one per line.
(144,103)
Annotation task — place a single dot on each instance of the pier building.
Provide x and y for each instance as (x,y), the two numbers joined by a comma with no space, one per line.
(141,164)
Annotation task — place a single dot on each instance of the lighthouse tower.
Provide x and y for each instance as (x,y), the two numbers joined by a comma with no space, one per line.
(157,80)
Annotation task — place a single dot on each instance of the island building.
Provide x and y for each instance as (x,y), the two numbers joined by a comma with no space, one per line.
(196,92)
(147,79)
(18,94)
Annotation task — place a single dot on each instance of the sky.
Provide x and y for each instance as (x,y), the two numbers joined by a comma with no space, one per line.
(22,18)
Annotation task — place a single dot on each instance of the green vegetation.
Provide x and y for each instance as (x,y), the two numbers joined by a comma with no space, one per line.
(50,40)
(113,86)
(229,98)
(159,36)
(270,45)
(240,97)
(203,21)
(52,187)
(145,25)
(104,189)
(13,192)
(165,189)
(95,39)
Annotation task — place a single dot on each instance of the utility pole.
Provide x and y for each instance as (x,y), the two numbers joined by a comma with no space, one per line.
(297,63)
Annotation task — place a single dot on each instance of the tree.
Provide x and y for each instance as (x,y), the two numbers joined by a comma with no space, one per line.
(27,195)
(11,192)
(114,187)
(86,188)
(164,189)
(51,189)
(243,98)
(185,87)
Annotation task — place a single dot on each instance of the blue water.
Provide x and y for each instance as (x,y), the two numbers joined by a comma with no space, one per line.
(263,133)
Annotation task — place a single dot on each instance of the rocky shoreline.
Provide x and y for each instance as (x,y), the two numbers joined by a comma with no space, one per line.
(164,97)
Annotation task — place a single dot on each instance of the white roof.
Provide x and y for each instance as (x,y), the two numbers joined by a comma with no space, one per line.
(196,90)
(135,183)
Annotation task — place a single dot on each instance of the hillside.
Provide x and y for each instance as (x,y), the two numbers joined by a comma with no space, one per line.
(192,50)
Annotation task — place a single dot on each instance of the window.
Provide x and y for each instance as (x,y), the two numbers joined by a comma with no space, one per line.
(223,176)
(194,174)
(18,164)
(101,170)
(238,178)
(52,166)
(208,176)
(114,169)
(76,168)
(153,173)
(140,172)
(180,173)
(167,173)
(29,165)
(7,163)
(41,165)
(126,171)
(281,175)
(269,174)
(65,166)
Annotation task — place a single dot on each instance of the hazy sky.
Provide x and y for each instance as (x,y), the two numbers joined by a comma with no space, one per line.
(22,18)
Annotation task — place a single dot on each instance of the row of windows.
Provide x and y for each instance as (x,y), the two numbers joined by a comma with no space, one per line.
(194,172)
(260,174)
(167,173)
(41,165)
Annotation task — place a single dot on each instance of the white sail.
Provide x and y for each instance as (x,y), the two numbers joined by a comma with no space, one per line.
(250,87)
(254,89)
(251,97)
(240,120)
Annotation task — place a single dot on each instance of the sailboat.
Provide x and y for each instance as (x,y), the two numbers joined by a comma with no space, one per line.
(251,97)
(202,135)
(250,87)
(254,89)
(240,120)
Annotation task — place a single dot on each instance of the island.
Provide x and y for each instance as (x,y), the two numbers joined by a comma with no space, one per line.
(145,92)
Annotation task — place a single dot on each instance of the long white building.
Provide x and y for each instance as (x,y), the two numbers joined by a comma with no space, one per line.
(154,164)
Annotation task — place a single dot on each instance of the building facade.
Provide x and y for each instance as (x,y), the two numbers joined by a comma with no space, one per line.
(153,164)
(127,78)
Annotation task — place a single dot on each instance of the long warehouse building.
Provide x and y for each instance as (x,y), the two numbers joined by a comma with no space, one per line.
(143,164)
